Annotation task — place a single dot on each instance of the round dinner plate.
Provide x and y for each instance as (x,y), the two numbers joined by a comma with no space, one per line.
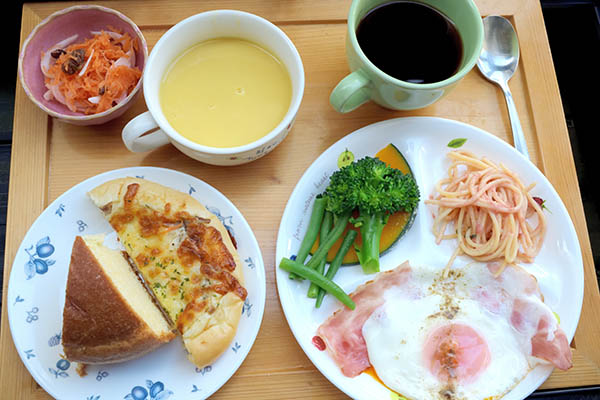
(36,295)
(424,143)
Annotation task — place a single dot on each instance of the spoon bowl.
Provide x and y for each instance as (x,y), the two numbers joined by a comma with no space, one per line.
(497,62)
(500,51)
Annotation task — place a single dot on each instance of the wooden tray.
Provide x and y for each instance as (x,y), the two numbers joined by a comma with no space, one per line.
(48,157)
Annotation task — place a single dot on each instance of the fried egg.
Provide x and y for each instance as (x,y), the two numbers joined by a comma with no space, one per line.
(470,335)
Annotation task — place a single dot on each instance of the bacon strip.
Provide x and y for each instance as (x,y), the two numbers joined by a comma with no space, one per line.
(532,318)
(553,348)
(342,332)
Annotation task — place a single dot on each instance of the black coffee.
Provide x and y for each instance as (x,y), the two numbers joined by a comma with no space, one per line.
(411,41)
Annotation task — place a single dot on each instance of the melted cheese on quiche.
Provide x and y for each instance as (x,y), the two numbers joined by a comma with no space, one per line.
(182,257)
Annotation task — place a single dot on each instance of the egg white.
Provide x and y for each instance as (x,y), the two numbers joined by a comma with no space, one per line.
(396,332)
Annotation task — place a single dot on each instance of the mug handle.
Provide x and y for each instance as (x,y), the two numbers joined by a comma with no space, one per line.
(352,92)
(133,131)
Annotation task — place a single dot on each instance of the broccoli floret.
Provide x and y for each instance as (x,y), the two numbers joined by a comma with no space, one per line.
(376,190)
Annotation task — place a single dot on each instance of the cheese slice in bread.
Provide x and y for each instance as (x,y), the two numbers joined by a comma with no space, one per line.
(109,316)
(186,257)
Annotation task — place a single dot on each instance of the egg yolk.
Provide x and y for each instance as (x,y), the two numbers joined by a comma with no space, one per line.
(456,352)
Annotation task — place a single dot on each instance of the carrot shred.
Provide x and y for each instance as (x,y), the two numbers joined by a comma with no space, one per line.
(101,77)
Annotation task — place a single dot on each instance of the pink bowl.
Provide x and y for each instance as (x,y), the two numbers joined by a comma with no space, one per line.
(59,26)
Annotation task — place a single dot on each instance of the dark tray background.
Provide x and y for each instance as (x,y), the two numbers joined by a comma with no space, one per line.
(574,33)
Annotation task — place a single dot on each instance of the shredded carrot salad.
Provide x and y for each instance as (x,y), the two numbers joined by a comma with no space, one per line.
(95,75)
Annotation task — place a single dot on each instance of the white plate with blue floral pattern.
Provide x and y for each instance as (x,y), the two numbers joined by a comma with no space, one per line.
(424,143)
(36,292)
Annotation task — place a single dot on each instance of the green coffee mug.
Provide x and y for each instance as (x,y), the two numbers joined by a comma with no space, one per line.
(367,82)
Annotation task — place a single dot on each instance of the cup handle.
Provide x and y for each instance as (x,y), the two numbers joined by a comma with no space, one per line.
(352,92)
(133,131)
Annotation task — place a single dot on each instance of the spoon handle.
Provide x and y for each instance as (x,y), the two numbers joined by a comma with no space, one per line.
(518,136)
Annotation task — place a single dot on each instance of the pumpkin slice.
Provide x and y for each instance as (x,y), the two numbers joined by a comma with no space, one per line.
(398,223)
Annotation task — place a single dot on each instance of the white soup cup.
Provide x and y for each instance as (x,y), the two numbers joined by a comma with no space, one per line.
(193,30)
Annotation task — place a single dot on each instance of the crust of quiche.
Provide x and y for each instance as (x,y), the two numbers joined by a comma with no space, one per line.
(207,335)
(99,325)
(215,338)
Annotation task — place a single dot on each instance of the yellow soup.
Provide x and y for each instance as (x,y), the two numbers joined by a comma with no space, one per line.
(225,92)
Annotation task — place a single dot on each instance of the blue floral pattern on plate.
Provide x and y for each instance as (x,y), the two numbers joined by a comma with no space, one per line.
(247,308)
(55,340)
(152,391)
(236,346)
(101,375)
(226,221)
(62,366)
(81,225)
(36,302)
(250,262)
(204,370)
(32,315)
(39,262)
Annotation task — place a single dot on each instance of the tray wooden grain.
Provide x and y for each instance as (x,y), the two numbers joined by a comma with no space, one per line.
(48,157)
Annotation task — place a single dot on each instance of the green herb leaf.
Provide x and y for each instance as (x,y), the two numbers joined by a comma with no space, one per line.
(456,143)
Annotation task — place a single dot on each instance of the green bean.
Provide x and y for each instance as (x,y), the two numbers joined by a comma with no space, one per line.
(335,264)
(313,290)
(339,224)
(311,231)
(312,275)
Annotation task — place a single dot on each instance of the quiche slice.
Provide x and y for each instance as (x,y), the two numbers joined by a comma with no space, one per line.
(186,257)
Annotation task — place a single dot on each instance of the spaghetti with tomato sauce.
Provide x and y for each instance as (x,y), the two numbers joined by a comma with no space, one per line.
(488,210)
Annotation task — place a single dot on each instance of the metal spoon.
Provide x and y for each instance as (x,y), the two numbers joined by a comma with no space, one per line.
(497,62)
